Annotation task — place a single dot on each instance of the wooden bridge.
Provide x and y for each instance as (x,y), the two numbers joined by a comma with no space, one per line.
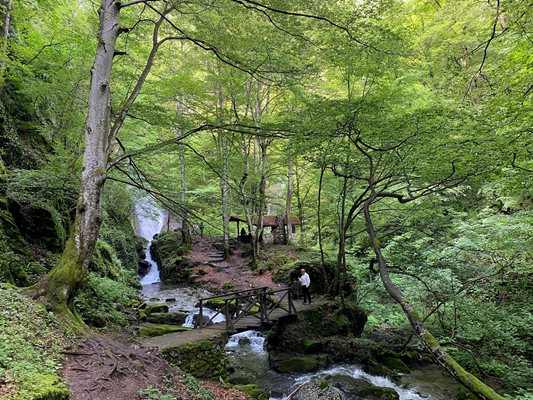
(248,309)
(258,303)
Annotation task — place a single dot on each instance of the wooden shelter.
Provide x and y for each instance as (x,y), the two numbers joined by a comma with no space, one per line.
(274,227)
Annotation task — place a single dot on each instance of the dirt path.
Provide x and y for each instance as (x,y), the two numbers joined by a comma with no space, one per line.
(101,368)
(219,274)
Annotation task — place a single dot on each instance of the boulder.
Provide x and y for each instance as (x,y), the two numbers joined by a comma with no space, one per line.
(317,390)
(348,385)
(378,393)
(166,318)
(150,308)
(295,362)
(159,330)
(203,360)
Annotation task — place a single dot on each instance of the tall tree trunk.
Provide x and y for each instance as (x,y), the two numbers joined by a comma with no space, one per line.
(299,201)
(290,189)
(340,274)
(185,226)
(430,342)
(5,17)
(319,223)
(61,284)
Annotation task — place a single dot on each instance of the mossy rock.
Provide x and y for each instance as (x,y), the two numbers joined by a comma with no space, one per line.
(378,393)
(312,346)
(395,364)
(166,318)
(347,384)
(317,389)
(168,250)
(47,387)
(295,362)
(203,360)
(151,308)
(159,330)
(253,391)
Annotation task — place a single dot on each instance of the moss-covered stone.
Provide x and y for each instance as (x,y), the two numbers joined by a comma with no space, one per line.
(312,346)
(378,393)
(295,362)
(151,308)
(168,250)
(348,385)
(203,360)
(47,387)
(158,330)
(166,318)
(253,391)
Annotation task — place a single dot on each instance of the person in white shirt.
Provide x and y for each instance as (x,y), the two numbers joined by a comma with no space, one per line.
(305,281)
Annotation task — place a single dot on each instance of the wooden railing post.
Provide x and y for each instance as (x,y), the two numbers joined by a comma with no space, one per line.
(292,308)
(229,321)
(200,320)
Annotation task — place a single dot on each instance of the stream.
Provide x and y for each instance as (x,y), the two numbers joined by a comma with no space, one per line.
(245,351)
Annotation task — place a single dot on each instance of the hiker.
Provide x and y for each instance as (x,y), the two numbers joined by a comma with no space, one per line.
(305,281)
(201,229)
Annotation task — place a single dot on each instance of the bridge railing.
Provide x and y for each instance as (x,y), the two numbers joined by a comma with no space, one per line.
(258,303)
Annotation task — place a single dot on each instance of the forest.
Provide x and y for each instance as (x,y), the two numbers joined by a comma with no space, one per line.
(384,146)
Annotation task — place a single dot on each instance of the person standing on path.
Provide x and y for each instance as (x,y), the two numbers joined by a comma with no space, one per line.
(201,229)
(305,281)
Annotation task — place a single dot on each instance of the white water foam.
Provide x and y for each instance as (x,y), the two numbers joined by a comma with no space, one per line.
(255,338)
(150,220)
(356,372)
(207,313)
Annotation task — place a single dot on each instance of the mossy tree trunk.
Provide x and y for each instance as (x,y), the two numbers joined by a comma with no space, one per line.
(61,284)
(430,342)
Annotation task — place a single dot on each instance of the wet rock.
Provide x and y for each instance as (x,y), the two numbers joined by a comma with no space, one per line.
(166,318)
(244,341)
(143,267)
(347,385)
(205,320)
(295,362)
(378,393)
(150,308)
(317,390)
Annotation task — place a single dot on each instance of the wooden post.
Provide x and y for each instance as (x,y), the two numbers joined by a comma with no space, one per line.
(200,319)
(292,308)
(229,322)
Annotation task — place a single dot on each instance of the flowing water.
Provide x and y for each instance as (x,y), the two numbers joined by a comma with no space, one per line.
(248,358)
(150,221)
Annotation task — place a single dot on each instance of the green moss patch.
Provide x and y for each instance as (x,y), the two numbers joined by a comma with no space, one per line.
(31,340)
(158,330)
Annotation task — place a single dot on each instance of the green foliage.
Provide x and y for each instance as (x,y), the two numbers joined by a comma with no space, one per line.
(151,393)
(104,298)
(31,340)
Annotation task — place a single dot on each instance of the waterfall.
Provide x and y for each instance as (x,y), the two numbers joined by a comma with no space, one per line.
(150,220)
(208,313)
(254,339)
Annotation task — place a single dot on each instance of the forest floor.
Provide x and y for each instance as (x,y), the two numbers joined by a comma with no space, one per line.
(103,368)
(218,274)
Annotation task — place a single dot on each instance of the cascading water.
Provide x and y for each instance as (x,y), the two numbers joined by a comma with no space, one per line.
(249,359)
(150,221)
(207,312)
